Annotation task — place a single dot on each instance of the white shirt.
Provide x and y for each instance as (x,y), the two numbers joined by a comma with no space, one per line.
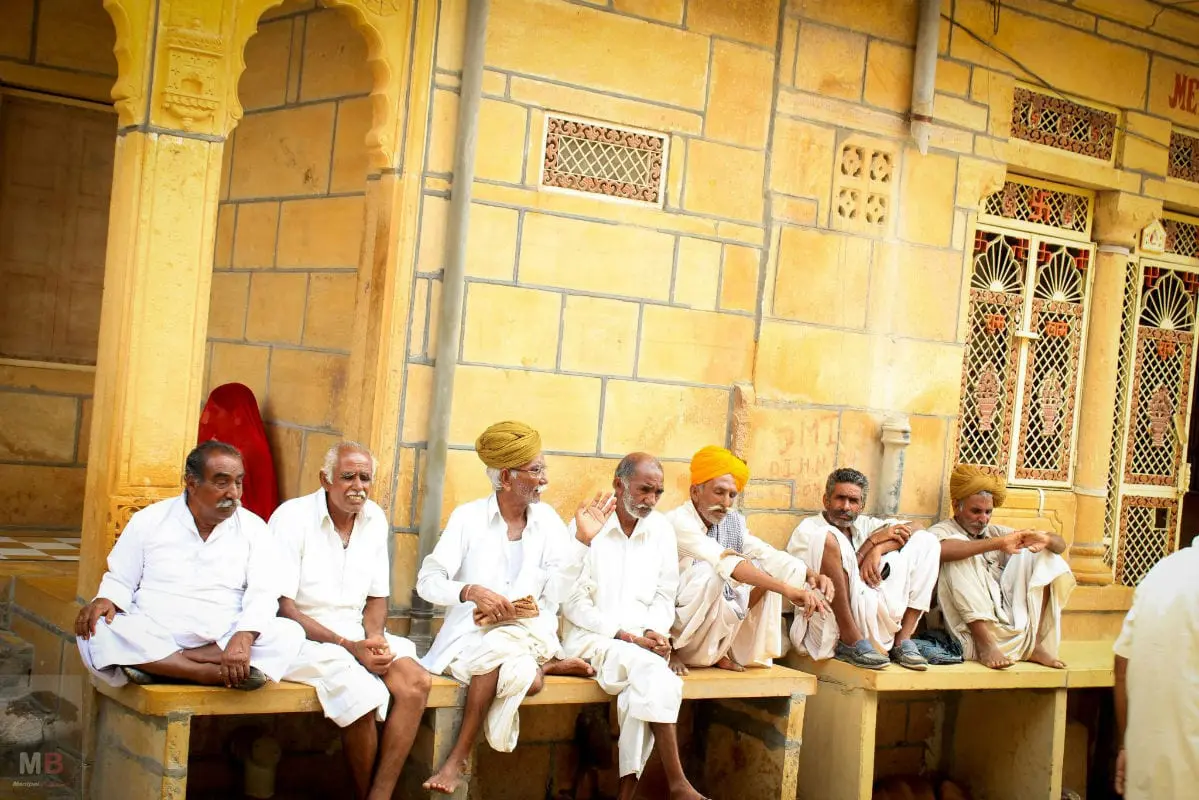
(473,549)
(862,527)
(1160,639)
(625,583)
(694,542)
(161,567)
(331,583)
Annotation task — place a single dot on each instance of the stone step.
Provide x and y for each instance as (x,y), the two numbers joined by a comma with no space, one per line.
(16,664)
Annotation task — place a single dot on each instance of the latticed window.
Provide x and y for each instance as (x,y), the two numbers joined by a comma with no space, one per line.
(591,158)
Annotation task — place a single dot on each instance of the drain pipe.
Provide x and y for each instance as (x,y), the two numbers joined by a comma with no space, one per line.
(896,436)
(449,324)
(924,72)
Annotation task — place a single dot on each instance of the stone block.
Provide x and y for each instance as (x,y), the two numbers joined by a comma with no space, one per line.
(418,390)
(666,420)
(511,326)
(695,346)
(892,722)
(956,111)
(85,430)
(1115,73)
(286,443)
(893,20)
(405,563)
(926,198)
(321,232)
(599,336)
(1148,156)
(739,279)
(793,444)
(1140,13)
(521,774)
(915,291)
(257,230)
(920,377)
(286,9)
(16,39)
(239,363)
(222,254)
(329,314)
(773,528)
(740,94)
(697,273)
(495,84)
(491,242)
(906,760)
(430,249)
(953,77)
(402,505)
(977,180)
(888,76)
(37,427)
(621,111)
(267,54)
(594,257)
(822,277)
(573,478)
(587,34)
(417,319)
(767,495)
(670,11)
(335,56)
(283,153)
(814,365)
(831,62)
(316,445)
(227,305)
(802,160)
(443,130)
(434,316)
(752,21)
(276,309)
(465,479)
(307,388)
(451,25)
(859,447)
(996,91)
(57,503)
(483,395)
(502,128)
(924,468)
(724,181)
(350,160)
(75,36)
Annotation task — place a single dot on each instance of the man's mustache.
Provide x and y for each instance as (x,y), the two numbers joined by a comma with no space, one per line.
(228,502)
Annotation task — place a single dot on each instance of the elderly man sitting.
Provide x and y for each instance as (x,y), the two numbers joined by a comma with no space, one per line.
(497,569)
(883,571)
(618,611)
(1001,590)
(335,582)
(732,584)
(190,592)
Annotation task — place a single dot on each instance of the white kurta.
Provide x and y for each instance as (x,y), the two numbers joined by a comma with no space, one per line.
(877,611)
(1006,591)
(331,584)
(473,549)
(177,591)
(628,583)
(709,624)
(1160,639)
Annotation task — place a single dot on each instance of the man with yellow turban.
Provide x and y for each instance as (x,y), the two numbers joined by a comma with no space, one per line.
(732,585)
(883,573)
(1001,590)
(498,570)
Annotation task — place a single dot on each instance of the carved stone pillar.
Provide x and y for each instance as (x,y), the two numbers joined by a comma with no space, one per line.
(1118,219)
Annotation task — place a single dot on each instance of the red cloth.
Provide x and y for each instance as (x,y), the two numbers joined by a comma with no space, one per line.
(231,415)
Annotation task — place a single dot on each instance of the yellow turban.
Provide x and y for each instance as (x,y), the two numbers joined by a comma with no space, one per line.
(967,480)
(508,444)
(712,462)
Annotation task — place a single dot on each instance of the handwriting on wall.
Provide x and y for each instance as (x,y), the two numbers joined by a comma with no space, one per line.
(1185,96)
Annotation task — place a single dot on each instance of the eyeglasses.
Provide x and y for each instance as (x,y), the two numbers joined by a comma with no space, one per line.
(536,472)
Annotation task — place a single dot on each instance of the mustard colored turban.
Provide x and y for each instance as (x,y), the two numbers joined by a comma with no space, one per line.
(508,444)
(967,480)
(712,462)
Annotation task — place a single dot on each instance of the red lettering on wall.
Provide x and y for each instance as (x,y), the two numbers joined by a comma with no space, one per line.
(1191,84)
(1178,96)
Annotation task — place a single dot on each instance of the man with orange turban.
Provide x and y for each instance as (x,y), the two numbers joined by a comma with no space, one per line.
(497,569)
(1001,590)
(732,585)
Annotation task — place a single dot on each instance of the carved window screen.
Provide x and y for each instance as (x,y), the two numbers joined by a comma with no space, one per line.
(1023,357)
(1115,471)
(1147,526)
(1184,157)
(596,159)
(1040,206)
(1182,237)
(1063,124)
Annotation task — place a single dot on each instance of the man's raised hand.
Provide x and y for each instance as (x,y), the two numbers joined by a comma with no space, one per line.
(89,615)
(491,603)
(590,517)
(822,584)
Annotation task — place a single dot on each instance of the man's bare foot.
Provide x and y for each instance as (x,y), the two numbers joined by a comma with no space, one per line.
(991,656)
(677,666)
(728,663)
(1040,656)
(568,666)
(446,779)
(685,791)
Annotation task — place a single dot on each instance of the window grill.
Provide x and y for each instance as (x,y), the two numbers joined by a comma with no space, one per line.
(1063,124)
(1115,469)
(1184,157)
(1182,237)
(591,158)
(1042,206)
(1147,526)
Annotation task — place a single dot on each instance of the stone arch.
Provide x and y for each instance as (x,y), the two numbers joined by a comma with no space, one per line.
(128,93)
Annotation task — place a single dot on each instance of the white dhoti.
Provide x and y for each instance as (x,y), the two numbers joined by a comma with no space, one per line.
(134,638)
(517,649)
(1012,606)
(709,625)
(646,691)
(879,611)
(346,689)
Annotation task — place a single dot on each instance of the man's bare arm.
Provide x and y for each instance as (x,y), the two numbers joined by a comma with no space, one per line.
(749,574)
(313,630)
(374,616)
(1057,544)
(959,549)
(1121,692)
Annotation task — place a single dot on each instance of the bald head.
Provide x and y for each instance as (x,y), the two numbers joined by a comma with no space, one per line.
(639,485)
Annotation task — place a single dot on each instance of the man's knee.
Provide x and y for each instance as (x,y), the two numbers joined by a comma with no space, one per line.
(537,685)
(831,555)
(408,681)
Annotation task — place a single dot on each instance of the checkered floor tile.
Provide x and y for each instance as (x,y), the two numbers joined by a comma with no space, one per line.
(38,548)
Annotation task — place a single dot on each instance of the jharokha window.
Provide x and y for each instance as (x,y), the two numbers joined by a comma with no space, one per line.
(1030,280)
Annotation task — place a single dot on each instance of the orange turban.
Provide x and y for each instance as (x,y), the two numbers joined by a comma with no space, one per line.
(712,462)
(508,444)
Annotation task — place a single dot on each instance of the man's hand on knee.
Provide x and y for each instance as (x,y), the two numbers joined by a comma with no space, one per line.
(822,584)
(373,653)
(235,659)
(89,615)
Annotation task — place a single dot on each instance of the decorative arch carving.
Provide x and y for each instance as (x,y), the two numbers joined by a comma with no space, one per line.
(131,19)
